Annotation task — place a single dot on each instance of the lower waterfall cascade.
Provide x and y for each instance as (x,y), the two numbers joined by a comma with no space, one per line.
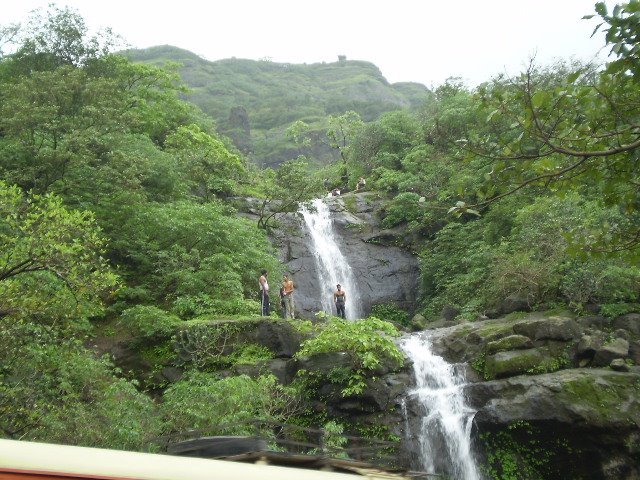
(443,439)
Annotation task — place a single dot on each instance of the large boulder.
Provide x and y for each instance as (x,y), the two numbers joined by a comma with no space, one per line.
(629,322)
(550,328)
(510,363)
(325,363)
(279,336)
(515,303)
(588,346)
(598,397)
(584,423)
(616,348)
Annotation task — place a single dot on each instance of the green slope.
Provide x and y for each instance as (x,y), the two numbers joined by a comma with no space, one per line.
(253,101)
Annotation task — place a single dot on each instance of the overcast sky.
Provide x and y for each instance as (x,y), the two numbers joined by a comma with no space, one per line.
(422,41)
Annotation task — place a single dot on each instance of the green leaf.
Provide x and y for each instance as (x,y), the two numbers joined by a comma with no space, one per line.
(539,98)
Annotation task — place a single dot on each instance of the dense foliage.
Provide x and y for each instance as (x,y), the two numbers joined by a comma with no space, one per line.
(116,213)
(112,210)
(524,187)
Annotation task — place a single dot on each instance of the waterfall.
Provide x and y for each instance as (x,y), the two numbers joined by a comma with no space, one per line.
(331,265)
(444,434)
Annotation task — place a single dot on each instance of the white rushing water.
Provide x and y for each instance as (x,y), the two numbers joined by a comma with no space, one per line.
(331,265)
(444,438)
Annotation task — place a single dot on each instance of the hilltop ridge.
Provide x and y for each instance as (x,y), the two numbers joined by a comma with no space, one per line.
(254,101)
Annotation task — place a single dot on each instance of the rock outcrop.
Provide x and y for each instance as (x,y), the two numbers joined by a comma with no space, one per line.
(386,272)
(557,394)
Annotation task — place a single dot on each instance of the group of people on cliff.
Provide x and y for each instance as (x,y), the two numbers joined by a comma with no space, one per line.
(337,191)
(285,295)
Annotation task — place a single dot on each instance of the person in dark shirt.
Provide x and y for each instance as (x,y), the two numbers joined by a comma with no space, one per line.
(340,298)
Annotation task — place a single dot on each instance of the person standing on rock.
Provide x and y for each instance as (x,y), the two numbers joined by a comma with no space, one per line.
(340,298)
(287,292)
(283,306)
(264,293)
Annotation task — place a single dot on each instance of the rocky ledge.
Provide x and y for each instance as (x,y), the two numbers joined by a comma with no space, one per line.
(557,394)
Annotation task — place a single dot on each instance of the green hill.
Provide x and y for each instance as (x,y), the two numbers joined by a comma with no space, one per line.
(253,101)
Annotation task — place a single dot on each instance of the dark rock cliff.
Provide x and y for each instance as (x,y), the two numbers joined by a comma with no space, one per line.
(385,272)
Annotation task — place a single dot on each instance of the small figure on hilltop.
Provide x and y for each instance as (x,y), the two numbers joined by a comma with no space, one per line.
(340,298)
(287,291)
(361,184)
(264,293)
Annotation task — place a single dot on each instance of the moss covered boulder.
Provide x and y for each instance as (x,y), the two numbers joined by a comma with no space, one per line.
(510,363)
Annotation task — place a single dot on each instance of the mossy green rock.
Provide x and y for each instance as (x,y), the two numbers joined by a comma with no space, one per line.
(604,399)
(512,342)
(616,348)
(511,363)
(591,398)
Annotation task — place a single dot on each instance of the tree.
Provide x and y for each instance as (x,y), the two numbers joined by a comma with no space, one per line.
(8,34)
(52,265)
(54,122)
(568,129)
(623,35)
(284,189)
(341,132)
(54,390)
(385,142)
(194,258)
(58,37)
(298,131)
(209,167)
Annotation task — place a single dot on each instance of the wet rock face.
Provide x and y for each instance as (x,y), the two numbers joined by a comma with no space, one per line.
(577,420)
(565,388)
(385,273)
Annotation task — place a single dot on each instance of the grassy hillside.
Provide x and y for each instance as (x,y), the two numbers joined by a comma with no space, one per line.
(253,102)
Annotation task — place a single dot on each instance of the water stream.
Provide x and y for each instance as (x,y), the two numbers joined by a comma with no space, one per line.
(444,436)
(331,265)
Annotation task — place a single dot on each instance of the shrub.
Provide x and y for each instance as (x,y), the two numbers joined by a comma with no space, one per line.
(148,321)
(391,313)
(404,208)
(57,391)
(202,401)
(367,341)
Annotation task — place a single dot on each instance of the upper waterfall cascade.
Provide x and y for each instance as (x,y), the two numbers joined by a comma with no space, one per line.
(331,265)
